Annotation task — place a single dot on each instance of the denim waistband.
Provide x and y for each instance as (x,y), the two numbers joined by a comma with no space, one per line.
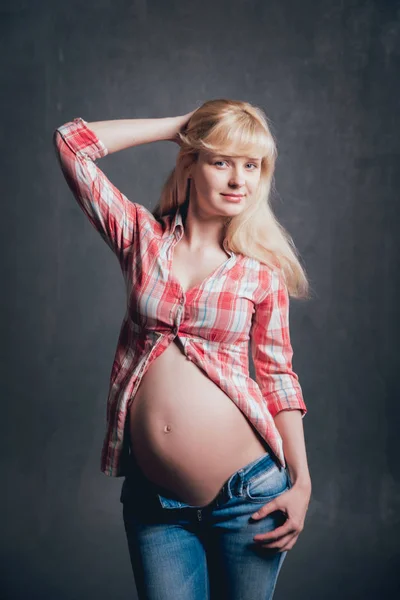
(233,486)
(236,483)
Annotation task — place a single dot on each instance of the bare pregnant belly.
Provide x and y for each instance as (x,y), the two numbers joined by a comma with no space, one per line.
(186,434)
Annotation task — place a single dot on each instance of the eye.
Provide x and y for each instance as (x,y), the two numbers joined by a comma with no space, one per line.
(223,161)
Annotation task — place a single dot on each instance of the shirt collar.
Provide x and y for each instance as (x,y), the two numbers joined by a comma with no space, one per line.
(177,230)
(177,224)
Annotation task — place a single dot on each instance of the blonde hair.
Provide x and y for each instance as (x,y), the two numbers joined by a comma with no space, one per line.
(238,128)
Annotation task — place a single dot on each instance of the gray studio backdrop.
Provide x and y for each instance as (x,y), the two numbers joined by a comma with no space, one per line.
(327,75)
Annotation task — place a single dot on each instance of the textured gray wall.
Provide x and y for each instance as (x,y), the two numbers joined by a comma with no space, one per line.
(327,75)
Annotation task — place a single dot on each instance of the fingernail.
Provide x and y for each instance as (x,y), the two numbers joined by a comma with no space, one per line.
(256,514)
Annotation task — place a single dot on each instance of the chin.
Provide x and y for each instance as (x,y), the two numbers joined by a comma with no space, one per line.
(228,209)
(234,207)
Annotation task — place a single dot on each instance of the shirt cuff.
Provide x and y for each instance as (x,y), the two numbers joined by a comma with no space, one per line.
(82,140)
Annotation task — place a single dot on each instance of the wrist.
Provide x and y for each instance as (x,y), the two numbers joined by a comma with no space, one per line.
(172,127)
(302,480)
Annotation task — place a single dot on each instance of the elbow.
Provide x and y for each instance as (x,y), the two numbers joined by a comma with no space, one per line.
(56,141)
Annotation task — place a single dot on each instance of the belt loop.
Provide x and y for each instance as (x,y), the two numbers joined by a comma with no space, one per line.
(236,484)
(240,482)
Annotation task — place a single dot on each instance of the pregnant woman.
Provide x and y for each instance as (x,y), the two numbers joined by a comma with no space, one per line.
(216,482)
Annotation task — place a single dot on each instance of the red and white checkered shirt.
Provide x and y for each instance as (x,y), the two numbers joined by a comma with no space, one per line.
(242,300)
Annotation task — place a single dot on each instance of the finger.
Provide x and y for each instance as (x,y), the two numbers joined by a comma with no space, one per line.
(288,547)
(284,545)
(265,510)
(281,545)
(275,534)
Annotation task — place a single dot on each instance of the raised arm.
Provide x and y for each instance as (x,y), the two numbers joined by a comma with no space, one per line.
(78,144)
(122,133)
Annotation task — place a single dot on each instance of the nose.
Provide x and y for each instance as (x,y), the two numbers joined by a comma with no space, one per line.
(238,178)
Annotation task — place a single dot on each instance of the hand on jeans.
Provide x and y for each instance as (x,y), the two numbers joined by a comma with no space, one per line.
(294,504)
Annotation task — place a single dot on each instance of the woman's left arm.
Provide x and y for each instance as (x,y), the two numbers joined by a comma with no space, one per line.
(294,502)
(290,426)
(272,356)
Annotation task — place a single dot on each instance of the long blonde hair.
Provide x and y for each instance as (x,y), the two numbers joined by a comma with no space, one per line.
(238,128)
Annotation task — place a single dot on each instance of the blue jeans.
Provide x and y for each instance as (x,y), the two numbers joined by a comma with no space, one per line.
(184,552)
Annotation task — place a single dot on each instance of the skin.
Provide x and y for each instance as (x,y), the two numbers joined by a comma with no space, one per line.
(212,176)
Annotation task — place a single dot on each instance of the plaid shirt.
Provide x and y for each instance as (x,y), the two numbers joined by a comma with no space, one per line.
(242,300)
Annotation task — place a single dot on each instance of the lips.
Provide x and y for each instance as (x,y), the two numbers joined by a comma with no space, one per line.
(233,197)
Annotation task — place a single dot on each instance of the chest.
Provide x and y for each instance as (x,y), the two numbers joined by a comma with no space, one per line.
(190,269)
(209,297)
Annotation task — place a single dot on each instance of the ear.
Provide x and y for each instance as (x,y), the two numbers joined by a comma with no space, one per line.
(189,163)
(189,172)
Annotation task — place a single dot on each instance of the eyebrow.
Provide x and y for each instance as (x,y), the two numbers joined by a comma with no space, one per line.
(247,157)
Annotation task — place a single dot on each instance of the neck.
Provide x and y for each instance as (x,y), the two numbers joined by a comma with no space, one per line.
(202,231)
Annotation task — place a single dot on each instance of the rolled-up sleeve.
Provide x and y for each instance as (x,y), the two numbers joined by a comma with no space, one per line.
(109,211)
(272,351)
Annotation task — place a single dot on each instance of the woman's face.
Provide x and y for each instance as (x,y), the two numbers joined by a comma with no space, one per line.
(215,176)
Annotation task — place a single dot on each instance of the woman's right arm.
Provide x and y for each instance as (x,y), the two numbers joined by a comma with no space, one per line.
(123,133)
(78,144)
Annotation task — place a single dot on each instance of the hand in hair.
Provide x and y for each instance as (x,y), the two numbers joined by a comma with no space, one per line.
(181,123)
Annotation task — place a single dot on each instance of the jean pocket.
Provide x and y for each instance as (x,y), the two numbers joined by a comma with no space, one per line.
(265,486)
